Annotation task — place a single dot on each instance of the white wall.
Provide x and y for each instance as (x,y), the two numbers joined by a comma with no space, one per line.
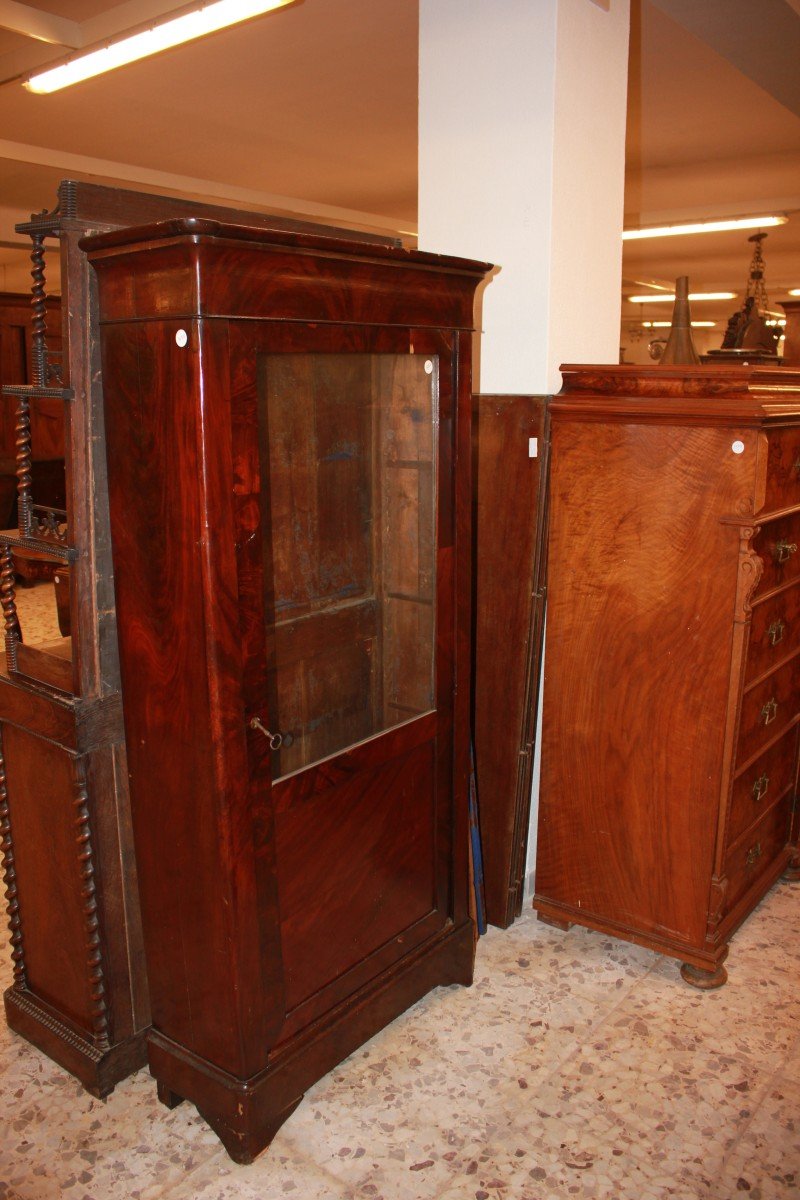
(521,163)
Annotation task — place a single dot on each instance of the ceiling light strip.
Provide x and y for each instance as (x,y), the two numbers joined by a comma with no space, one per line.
(664,299)
(703,227)
(164,36)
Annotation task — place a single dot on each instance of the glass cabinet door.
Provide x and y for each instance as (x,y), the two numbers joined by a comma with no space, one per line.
(347,447)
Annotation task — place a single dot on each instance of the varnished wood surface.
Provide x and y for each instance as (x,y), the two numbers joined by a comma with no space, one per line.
(508,531)
(625,789)
(272,914)
(277,275)
(648,826)
(691,395)
(87,724)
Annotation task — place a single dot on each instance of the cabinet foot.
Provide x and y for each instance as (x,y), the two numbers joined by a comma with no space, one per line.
(792,872)
(556,922)
(246,1136)
(166,1095)
(700,978)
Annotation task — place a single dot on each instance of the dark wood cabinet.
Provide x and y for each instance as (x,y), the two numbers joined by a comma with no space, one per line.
(672,660)
(79,991)
(510,449)
(288,438)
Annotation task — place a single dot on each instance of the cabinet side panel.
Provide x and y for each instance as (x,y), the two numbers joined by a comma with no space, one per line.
(152,439)
(506,499)
(45,828)
(642,580)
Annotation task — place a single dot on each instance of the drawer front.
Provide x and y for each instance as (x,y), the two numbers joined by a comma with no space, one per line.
(783,469)
(778,547)
(753,856)
(757,788)
(767,708)
(774,632)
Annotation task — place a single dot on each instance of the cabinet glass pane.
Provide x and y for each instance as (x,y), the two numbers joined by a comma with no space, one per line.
(348,451)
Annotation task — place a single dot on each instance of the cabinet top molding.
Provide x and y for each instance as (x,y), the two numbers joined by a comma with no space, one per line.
(706,395)
(192,268)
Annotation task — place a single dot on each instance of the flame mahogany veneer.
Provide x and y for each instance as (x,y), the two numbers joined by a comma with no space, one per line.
(672,658)
(285,919)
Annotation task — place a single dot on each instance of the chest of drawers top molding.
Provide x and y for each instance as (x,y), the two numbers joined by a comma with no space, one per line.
(677,395)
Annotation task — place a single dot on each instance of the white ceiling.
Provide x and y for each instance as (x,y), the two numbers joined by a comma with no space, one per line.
(313,109)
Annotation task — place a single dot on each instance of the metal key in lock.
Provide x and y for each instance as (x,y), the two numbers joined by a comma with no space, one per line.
(276,741)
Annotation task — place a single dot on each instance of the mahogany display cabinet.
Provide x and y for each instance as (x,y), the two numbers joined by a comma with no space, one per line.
(672,658)
(288,440)
(79,990)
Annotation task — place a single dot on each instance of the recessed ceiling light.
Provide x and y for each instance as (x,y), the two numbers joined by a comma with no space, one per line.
(704,227)
(664,298)
(191,25)
(794,291)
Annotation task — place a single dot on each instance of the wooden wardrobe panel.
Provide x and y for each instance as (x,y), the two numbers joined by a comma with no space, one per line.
(510,448)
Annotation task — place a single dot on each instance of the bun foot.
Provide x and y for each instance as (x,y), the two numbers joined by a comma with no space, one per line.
(706,980)
(792,872)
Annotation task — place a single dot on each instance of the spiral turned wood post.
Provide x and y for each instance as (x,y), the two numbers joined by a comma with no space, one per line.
(13,633)
(22,442)
(10,881)
(38,304)
(94,956)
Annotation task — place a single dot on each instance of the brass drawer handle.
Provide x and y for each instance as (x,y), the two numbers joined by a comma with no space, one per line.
(770,711)
(784,550)
(760,788)
(775,632)
(753,854)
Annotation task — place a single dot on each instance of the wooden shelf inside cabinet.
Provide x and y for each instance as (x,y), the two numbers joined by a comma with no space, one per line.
(510,451)
(672,685)
(290,529)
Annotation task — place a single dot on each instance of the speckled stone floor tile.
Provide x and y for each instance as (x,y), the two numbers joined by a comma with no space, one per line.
(752,1169)
(577,1067)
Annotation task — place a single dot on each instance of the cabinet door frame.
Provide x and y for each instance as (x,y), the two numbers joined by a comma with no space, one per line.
(247,342)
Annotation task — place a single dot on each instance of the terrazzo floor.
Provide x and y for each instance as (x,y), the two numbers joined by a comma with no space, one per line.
(575,1066)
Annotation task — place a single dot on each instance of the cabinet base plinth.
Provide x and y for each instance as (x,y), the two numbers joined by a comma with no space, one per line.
(247,1113)
(705,980)
(98,1070)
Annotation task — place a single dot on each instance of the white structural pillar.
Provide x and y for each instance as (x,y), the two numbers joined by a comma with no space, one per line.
(521,163)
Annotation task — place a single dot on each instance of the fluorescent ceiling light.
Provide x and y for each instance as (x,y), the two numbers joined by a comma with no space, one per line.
(185,28)
(662,298)
(668,324)
(704,227)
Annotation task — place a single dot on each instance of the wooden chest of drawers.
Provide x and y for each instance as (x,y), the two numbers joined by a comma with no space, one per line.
(672,662)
